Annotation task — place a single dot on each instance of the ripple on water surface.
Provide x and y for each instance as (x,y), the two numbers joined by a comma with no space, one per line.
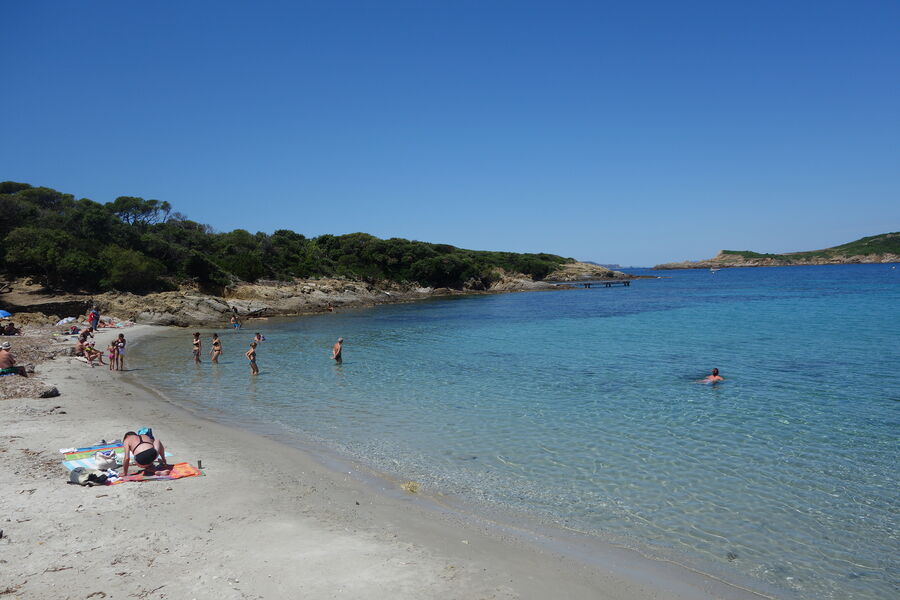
(582,407)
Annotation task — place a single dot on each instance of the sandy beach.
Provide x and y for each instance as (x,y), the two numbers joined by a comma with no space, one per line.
(266,521)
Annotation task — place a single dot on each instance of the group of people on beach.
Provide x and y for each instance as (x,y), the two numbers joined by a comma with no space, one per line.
(115,350)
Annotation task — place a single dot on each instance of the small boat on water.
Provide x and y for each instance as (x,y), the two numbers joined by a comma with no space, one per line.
(714,270)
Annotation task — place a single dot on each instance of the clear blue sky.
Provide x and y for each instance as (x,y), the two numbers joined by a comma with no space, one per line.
(635,132)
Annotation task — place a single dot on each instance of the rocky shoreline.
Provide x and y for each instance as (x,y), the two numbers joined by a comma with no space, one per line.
(726,261)
(191,306)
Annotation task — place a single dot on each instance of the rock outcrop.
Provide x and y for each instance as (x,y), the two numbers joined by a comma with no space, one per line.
(725,259)
(881,248)
(581,271)
(277,298)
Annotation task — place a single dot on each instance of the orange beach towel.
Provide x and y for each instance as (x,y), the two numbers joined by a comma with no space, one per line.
(178,471)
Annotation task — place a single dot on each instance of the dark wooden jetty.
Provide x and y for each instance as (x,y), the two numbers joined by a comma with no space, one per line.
(590,284)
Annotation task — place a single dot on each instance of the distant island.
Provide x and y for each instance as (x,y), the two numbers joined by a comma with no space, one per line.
(882,248)
(613,266)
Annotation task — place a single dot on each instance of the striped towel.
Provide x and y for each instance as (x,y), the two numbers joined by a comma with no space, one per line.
(72,452)
(84,457)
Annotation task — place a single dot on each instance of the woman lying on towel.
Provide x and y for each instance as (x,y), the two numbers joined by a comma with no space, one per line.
(146,449)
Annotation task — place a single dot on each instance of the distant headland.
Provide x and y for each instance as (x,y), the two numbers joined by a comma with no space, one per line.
(882,248)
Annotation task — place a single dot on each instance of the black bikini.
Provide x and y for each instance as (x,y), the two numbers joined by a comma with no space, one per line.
(146,457)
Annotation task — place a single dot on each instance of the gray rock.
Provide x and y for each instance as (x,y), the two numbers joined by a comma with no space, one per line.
(48,391)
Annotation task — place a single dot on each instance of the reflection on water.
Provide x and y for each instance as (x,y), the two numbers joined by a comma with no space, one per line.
(583,407)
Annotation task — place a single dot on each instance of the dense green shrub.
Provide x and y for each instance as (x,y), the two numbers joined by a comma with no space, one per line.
(132,244)
(130,270)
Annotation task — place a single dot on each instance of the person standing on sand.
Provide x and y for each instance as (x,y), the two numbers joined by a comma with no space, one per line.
(8,363)
(251,356)
(120,352)
(336,351)
(112,351)
(198,347)
(216,348)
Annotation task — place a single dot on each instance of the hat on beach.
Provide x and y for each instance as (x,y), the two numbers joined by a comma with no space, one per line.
(6,345)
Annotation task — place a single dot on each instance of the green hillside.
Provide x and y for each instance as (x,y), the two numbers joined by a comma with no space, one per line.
(885,243)
(140,245)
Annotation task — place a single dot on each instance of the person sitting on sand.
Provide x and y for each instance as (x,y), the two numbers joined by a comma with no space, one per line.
(11,329)
(336,351)
(92,354)
(8,363)
(216,351)
(714,378)
(197,347)
(146,449)
(251,356)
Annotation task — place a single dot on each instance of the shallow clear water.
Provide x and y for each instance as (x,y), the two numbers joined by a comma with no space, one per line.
(583,407)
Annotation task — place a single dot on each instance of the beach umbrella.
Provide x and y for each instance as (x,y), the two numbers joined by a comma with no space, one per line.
(4,314)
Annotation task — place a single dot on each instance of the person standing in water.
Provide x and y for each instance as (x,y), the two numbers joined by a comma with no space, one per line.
(198,347)
(258,338)
(216,348)
(336,351)
(251,356)
(713,378)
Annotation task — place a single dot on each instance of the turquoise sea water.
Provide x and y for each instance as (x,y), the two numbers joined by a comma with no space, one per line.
(582,408)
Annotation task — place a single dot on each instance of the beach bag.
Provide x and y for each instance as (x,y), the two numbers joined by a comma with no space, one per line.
(89,477)
(105,460)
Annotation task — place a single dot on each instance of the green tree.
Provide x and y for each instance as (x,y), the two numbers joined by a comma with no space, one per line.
(130,271)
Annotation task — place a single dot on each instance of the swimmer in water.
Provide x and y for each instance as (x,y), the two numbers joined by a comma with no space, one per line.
(336,351)
(714,378)
(259,337)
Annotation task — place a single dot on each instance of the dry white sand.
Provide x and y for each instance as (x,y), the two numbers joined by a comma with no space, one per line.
(267,520)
